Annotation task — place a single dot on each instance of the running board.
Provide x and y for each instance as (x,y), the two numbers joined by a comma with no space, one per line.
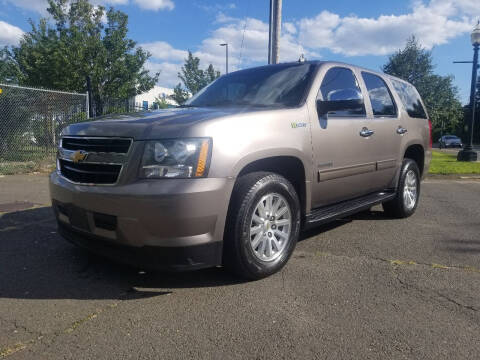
(345,208)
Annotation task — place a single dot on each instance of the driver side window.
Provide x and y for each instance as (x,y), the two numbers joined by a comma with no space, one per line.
(341,84)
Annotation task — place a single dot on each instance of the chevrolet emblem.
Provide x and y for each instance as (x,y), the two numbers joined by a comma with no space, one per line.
(78,156)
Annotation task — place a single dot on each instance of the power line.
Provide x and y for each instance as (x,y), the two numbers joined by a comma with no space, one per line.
(243,35)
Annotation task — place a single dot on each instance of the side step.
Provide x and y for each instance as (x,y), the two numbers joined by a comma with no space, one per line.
(345,208)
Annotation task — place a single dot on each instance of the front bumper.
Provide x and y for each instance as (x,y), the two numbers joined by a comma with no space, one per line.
(180,220)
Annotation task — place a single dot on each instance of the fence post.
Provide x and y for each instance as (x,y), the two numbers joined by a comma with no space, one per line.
(87,105)
(54,137)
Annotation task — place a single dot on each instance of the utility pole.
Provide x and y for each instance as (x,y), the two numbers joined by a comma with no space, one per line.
(226,57)
(274,31)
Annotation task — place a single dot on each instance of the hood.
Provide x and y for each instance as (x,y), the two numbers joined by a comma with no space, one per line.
(158,124)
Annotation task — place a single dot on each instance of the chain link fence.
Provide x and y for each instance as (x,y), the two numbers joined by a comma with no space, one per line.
(116,106)
(30,122)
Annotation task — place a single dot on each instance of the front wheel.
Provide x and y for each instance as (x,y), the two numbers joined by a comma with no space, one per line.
(263,225)
(405,202)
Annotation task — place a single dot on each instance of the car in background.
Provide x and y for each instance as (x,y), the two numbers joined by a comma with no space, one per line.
(447,141)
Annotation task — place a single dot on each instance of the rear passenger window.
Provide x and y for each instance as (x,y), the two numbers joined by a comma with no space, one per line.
(380,97)
(341,84)
(410,99)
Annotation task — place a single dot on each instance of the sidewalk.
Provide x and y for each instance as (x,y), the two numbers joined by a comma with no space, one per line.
(31,189)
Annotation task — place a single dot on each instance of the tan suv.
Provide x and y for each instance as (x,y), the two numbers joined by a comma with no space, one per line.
(233,176)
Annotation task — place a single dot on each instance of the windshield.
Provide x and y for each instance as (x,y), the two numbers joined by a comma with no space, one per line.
(451,138)
(281,85)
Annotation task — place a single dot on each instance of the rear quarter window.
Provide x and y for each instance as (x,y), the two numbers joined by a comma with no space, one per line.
(410,99)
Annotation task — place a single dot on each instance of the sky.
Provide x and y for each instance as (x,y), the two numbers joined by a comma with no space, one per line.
(360,32)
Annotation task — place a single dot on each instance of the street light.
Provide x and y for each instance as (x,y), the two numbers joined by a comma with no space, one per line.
(468,154)
(226,57)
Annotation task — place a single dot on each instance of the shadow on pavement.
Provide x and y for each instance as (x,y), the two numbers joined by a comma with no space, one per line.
(364,215)
(462,246)
(36,263)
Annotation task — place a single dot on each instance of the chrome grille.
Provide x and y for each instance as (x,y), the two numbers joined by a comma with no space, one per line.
(92,160)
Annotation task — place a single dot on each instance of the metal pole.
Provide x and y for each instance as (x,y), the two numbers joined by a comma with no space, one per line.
(473,91)
(277,26)
(468,154)
(226,56)
(226,59)
(89,90)
(87,105)
(270,32)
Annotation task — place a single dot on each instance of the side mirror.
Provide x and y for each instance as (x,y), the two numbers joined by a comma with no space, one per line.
(340,100)
(324,107)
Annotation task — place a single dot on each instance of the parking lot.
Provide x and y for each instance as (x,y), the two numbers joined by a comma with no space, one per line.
(366,287)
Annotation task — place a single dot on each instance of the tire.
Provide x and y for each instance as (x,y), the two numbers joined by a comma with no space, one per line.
(406,200)
(253,254)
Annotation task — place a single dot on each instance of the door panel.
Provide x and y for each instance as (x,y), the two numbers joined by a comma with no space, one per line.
(344,159)
(386,123)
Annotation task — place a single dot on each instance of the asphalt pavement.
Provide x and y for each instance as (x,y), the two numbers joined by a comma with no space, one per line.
(366,287)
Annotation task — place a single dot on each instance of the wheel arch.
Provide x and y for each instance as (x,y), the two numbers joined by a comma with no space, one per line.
(290,167)
(416,152)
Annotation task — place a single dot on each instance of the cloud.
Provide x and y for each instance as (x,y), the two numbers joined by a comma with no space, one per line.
(162,50)
(433,24)
(155,4)
(248,43)
(168,72)
(215,8)
(9,34)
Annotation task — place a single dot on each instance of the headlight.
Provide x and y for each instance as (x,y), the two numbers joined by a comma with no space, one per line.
(181,158)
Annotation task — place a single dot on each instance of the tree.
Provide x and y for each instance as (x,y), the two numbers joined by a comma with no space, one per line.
(9,71)
(415,65)
(179,94)
(212,74)
(161,102)
(75,44)
(193,78)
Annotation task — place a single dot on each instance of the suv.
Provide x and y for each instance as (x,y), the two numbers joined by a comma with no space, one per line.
(231,177)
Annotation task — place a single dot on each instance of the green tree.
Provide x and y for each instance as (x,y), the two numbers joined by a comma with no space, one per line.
(194,79)
(415,65)
(9,71)
(161,102)
(211,74)
(179,94)
(76,44)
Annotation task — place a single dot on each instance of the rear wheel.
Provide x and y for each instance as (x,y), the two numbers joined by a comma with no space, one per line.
(405,202)
(262,226)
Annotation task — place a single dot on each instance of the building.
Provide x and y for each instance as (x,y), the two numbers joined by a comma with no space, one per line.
(146,100)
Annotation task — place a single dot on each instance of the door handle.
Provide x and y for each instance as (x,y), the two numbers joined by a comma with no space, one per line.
(366,133)
(401,130)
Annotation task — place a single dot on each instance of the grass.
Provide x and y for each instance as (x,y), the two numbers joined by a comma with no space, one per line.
(24,160)
(447,164)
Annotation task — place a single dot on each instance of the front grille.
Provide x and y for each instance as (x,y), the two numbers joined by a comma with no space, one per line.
(90,173)
(93,160)
(113,145)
